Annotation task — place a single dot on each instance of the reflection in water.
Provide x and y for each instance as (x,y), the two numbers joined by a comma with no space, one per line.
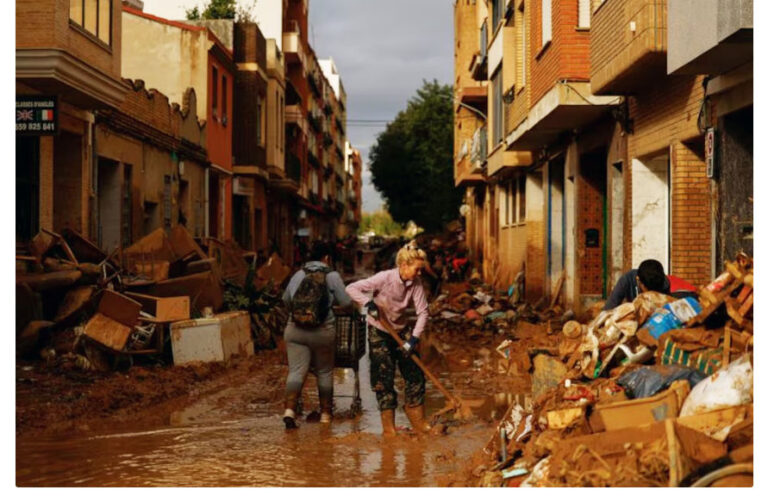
(204,446)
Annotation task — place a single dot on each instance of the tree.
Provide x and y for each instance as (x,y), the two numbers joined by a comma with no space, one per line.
(222,9)
(379,222)
(412,160)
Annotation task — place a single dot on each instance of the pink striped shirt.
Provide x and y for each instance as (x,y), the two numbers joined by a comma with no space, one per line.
(393,296)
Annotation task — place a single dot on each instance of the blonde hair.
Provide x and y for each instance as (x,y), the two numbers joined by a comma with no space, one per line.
(410,253)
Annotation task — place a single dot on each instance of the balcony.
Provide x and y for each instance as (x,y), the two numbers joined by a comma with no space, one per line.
(470,162)
(567,106)
(292,46)
(478,67)
(315,121)
(275,63)
(628,45)
(314,85)
(709,36)
(294,116)
(473,95)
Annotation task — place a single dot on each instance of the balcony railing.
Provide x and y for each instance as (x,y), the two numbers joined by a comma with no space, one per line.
(294,115)
(292,46)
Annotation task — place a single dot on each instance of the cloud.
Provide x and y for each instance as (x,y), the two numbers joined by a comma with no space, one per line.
(383,51)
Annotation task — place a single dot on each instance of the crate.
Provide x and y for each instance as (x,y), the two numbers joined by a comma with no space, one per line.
(350,340)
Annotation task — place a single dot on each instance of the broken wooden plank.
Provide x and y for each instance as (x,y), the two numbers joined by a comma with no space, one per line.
(155,242)
(167,309)
(119,308)
(558,289)
(84,250)
(50,280)
(203,290)
(183,244)
(107,331)
(74,302)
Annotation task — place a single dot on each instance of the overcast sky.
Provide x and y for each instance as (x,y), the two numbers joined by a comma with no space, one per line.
(383,50)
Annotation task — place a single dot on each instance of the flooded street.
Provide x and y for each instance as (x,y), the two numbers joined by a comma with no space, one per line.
(222,441)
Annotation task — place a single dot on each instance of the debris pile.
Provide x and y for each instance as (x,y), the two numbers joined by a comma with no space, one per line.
(656,392)
(93,310)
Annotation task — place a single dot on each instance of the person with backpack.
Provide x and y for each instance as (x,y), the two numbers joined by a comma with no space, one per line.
(310,335)
(387,295)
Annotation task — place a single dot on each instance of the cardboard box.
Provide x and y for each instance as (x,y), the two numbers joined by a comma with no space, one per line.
(632,413)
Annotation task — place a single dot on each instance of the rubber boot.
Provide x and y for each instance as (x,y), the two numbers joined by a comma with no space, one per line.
(326,410)
(415,415)
(388,423)
(289,417)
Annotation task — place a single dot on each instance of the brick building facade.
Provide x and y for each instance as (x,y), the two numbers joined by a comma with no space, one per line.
(609,164)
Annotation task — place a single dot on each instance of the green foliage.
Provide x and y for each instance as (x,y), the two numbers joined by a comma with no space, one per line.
(381,223)
(412,160)
(215,9)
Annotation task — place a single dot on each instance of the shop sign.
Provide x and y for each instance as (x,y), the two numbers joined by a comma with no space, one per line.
(36,115)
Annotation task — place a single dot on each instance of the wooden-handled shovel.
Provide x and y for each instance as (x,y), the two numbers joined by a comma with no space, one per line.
(462,411)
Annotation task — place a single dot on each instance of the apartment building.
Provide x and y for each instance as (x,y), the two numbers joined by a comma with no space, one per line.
(68,59)
(151,163)
(597,155)
(184,55)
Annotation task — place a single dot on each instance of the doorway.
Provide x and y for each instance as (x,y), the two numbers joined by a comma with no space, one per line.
(591,224)
(617,221)
(110,199)
(27,187)
(556,219)
(650,210)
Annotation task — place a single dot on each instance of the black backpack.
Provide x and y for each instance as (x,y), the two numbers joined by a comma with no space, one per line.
(309,306)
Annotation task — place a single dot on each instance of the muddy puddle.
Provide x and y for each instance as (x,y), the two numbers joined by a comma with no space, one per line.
(222,440)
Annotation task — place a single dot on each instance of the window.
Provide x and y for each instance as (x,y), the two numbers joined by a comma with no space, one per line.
(498,110)
(94,16)
(215,93)
(514,204)
(584,13)
(546,22)
(224,100)
(497,12)
(484,40)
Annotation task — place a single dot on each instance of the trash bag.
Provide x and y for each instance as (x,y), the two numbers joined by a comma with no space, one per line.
(649,380)
(731,386)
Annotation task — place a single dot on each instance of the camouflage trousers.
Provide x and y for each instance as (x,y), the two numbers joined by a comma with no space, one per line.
(385,355)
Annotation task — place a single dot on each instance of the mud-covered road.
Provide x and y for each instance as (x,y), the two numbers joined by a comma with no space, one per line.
(227,431)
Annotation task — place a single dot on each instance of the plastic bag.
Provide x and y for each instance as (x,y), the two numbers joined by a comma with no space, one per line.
(647,381)
(731,386)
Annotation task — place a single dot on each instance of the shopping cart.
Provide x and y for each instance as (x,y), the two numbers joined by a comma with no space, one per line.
(350,348)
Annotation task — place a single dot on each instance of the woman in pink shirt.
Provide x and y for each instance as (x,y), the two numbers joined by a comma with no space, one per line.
(386,295)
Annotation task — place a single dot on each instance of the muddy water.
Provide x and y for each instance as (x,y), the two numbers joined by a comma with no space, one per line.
(222,441)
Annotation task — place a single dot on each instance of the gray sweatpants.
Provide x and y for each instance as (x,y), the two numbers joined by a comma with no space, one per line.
(311,347)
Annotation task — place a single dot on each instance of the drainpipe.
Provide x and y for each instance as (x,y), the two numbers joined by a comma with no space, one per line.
(207,199)
(94,207)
